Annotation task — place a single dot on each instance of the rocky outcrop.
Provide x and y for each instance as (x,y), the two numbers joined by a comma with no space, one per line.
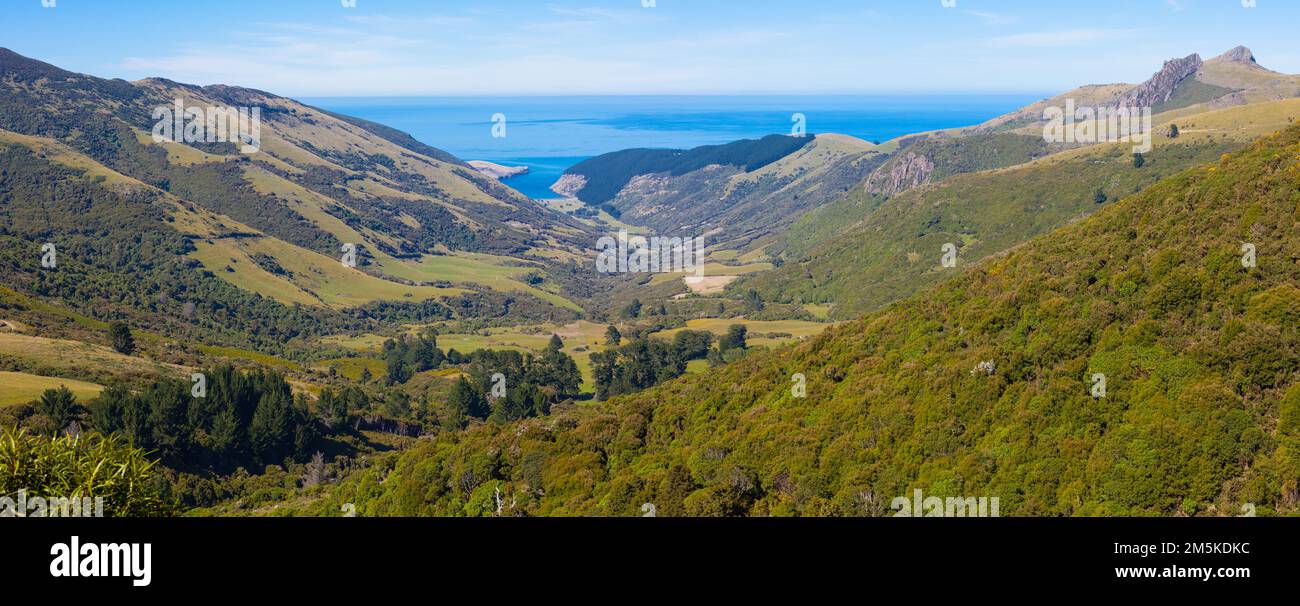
(569,185)
(497,171)
(900,174)
(1160,88)
(1240,54)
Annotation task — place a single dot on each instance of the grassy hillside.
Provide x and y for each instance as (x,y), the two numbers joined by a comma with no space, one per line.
(204,245)
(21,388)
(764,333)
(607,174)
(925,159)
(1229,80)
(68,358)
(317,181)
(978,387)
(736,206)
(895,245)
(897,248)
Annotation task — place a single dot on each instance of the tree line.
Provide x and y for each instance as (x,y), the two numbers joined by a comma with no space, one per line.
(239,419)
(503,386)
(646,362)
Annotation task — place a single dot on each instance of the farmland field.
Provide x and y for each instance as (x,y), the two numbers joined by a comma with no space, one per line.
(352,367)
(313,278)
(472,268)
(797,329)
(85,360)
(582,335)
(20,388)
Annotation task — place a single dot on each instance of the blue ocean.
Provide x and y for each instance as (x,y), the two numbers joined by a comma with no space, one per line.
(550,134)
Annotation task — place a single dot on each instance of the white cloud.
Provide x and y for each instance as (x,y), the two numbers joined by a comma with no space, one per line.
(556,50)
(1059,38)
(994,18)
(638,15)
(387,56)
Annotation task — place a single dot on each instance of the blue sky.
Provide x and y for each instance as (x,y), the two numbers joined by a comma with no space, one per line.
(503,47)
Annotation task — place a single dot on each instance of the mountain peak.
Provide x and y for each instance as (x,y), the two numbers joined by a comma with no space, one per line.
(27,68)
(1239,54)
(1160,88)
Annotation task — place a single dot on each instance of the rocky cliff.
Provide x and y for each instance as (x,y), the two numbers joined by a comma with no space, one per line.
(909,171)
(498,171)
(1240,54)
(1160,88)
(569,185)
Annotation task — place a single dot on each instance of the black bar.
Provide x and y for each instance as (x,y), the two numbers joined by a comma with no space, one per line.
(305,556)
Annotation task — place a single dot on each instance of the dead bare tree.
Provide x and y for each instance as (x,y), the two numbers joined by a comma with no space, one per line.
(316,472)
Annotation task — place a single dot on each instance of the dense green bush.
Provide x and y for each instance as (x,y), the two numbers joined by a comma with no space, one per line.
(862,253)
(88,465)
(980,386)
(242,419)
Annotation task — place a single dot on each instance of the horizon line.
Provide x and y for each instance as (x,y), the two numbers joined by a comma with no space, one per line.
(888,93)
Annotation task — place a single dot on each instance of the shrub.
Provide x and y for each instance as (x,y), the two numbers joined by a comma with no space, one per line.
(87,465)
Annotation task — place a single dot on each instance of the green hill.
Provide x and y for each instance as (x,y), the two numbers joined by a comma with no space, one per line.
(737,207)
(1231,79)
(606,174)
(928,158)
(897,248)
(318,180)
(979,386)
(200,242)
(866,251)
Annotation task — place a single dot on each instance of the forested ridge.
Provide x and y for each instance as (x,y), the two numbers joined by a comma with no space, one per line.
(982,385)
(894,244)
(414,199)
(981,381)
(118,259)
(608,173)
